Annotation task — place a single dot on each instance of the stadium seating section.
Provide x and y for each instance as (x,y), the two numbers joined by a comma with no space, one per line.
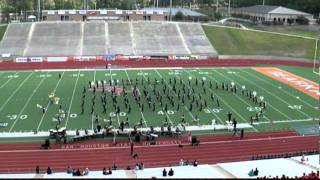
(100,38)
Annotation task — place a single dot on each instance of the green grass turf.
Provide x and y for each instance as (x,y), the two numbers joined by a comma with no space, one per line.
(22,91)
(2,31)
(293,30)
(229,41)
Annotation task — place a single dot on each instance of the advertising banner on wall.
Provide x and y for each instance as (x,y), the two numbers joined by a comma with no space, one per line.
(72,12)
(28,59)
(57,59)
(51,12)
(85,58)
(61,12)
(82,12)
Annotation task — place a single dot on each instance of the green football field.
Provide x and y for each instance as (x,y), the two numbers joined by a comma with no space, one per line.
(23,91)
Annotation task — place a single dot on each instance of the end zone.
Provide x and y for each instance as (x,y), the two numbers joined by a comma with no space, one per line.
(304,85)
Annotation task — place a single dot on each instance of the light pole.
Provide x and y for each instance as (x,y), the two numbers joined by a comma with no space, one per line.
(229,6)
(316,49)
(39,9)
(170,16)
(217,6)
(315,69)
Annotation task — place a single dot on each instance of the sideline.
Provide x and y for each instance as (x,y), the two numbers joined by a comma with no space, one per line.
(160,145)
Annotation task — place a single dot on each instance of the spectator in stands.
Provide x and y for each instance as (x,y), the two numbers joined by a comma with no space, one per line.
(141,166)
(74,172)
(171,172)
(69,170)
(49,171)
(164,172)
(78,173)
(86,172)
(189,136)
(186,163)
(303,159)
(195,163)
(256,172)
(109,171)
(251,173)
(137,167)
(181,163)
(128,168)
(104,171)
(114,167)
(37,169)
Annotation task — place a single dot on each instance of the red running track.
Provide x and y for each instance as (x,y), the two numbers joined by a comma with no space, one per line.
(202,138)
(213,149)
(158,155)
(10,65)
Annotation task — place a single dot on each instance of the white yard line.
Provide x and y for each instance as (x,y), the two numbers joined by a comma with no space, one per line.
(277,97)
(110,71)
(166,113)
(244,119)
(266,81)
(174,94)
(74,90)
(54,90)
(27,103)
(143,118)
(4,84)
(15,91)
(235,93)
(94,81)
(211,113)
(288,121)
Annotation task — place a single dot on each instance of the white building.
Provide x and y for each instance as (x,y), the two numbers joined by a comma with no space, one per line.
(262,13)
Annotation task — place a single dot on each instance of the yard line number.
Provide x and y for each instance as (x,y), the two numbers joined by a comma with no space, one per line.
(112,74)
(295,107)
(256,109)
(174,73)
(214,110)
(45,75)
(76,75)
(203,72)
(170,112)
(15,116)
(13,76)
(114,114)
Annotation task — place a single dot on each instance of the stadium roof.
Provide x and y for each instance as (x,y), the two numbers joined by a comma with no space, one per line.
(267,9)
(185,12)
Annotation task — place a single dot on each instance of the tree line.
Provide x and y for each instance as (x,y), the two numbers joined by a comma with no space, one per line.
(17,6)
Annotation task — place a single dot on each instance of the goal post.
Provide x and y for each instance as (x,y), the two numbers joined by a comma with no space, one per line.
(316,60)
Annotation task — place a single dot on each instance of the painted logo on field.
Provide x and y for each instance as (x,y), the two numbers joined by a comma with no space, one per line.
(116,89)
(304,85)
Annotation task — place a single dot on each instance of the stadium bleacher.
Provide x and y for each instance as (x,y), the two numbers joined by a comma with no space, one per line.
(100,38)
(93,38)
(196,39)
(15,39)
(55,39)
(158,39)
(120,38)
